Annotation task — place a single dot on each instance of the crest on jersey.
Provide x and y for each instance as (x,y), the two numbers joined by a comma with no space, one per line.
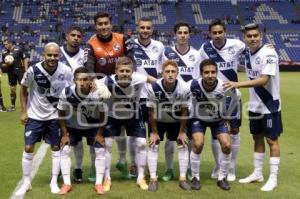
(61,77)
(155,49)
(231,51)
(257,60)
(117,47)
(192,58)
(102,61)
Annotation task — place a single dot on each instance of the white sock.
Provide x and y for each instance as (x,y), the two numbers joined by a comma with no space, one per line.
(121,143)
(92,155)
(131,142)
(141,155)
(258,161)
(216,149)
(27,166)
(78,155)
(152,160)
(99,164)
(224,165)
(235,146)
(183,157)
(195,164)
(65,164)
(274,167)
(169,153)
(55,166)
(108,156)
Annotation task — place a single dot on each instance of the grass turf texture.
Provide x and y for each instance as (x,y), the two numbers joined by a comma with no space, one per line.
(11,144)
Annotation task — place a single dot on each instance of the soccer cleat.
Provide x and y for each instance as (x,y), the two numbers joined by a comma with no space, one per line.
(183,184)
(231,175)
(23,189)
(77,175)
(169,175)
(65,189)
(223,184)
(99,189)
(107,184)
(133,171)
(92,176)
(189,174)
(153,186)
(195,184)
(215,173)
(122,167)
(3,109)
(270,185)
(11,109)
(142,184)
(252,178)
(54,188)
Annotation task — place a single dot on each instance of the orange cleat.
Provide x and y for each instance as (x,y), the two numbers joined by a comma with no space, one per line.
(99,189)
(65,189)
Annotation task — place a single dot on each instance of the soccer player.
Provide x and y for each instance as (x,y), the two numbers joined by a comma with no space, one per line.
(208,109)
(188,62)
(72,56)
(15,69)
(101,53)
(125,87)
(225,53)
(168,105)
(79,110)
(45,81)
(147,55)
(264,108)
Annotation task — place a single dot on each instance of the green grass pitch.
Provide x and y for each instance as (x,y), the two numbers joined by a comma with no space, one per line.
(11,145)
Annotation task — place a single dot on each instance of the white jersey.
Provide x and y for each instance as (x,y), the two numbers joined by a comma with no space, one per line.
(188,63)
(168,104)
(226,58)
(44,90)
(264,99)
(124,101)
(81,113)
(210,106)
(74,61)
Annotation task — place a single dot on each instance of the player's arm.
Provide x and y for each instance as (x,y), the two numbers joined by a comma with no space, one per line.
(89,58)
(23,103)
(25,63)
(154,137)
(261,81)
(182,136)
(150,79)
(63,127)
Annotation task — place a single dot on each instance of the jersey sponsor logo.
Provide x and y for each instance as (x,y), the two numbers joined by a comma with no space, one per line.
(184,69)
(170,55)
(102,61)
(225,65)
(146,62)
(270,61)
(253,73)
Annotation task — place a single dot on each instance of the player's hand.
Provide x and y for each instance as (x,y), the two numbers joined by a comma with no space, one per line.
(100,139)
(183,139)
(102,90)
(154,138)
(230,85)
(227,124)
(24,117)
(65,139)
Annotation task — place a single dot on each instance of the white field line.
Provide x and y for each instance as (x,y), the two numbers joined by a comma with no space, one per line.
(37,160)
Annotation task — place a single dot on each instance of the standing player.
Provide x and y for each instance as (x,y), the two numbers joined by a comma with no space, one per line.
(208,110)
(15,68)
(225,53)
(125,87)
(168,105)
(187,59)
(73,57)
(147,54)
(262,69)
(79,111)
(45,81)
(101,53)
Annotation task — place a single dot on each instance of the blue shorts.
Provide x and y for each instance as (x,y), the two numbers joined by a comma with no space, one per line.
(35,130)
(144,110)
(134,127)
(76,135)
(235,113)
(171,129)
(196,125)
(270,124)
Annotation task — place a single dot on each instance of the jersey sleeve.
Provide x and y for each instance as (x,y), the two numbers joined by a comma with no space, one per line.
(89,59)
(202,54)
(28,77)
(270,64)
(62,102)
(151,100)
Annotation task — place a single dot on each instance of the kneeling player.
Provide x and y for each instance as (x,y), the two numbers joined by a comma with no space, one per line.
(208,110)
(168,105)
(81,115)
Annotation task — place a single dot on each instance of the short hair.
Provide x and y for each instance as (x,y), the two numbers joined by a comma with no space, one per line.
(74,27)
(7,40)
(102,15)
(145,19)
(180,24)
(124,60)
(51,44)
(251,26)
(169,62)
(81,70)
(216,22)
(207,62)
